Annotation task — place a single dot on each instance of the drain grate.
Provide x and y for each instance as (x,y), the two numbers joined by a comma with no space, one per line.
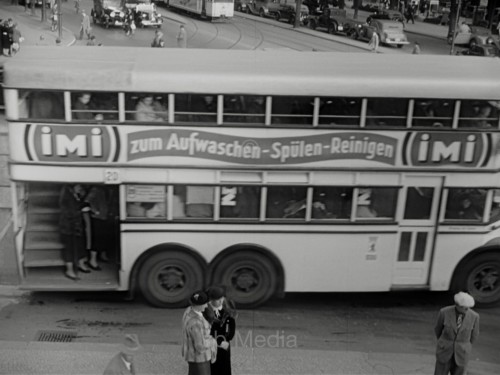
(55,336)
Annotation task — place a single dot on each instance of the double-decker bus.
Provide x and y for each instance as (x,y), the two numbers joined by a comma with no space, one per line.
(265,171)
(212,10)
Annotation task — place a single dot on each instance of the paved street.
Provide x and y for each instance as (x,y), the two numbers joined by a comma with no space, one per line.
(332,333)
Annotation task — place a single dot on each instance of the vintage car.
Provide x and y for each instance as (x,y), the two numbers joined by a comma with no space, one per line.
(478,36)
(241,6)
(486,50)
(389,32)
(330,19)
(108,13)
(277,9)
(386,14)
(146,15)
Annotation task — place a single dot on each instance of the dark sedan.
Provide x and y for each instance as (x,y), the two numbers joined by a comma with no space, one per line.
(485,50)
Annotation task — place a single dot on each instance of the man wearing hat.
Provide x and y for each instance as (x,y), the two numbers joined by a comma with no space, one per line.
(123,362)
(199,349)
(457,328)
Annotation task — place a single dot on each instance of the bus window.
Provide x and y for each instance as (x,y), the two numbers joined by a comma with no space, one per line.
(200,201)
(339,111)
(292,110)
(196,108)
(465,204)
(240,202)
(46,105)
(146,201)
(433,113)
(479,114)
(244,109)
(495,206)
(286,202)
(331,203)
(418,203)
(376,203)
(386,112)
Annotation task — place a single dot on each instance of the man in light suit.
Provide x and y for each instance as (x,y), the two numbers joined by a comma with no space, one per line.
(123,362)
(456,329)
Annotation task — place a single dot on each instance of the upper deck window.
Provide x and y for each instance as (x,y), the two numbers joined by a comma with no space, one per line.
(146,107)
(386,112)
(339,111)
(41,105)
(433,113)
(292,110)
(94,106)
(479,113)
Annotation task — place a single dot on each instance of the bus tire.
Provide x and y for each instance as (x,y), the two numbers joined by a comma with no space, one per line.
(480,276)
(251,278)
(167,278)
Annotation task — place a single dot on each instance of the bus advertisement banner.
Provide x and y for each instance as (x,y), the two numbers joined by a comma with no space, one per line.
(174,146)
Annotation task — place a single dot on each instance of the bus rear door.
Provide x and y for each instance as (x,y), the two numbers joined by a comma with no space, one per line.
(418,215)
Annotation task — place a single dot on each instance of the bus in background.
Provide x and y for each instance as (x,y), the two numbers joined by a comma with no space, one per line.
(212,10)
(266,171)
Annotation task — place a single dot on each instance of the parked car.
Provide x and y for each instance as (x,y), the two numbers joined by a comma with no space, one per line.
(478,36)
(389,32)
(386,14)
(332,20)
(241,6)
(108,13)
(439,18)
(486,50)
(146,15)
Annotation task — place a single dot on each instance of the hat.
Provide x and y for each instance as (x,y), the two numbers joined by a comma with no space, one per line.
(130,344)
(464,299)
(198,298)
(216,292)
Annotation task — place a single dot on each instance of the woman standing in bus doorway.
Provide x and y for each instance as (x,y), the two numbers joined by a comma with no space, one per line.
(221,315)
(74,224)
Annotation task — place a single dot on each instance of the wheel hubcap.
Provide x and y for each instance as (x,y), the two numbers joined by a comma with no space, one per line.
(485,281)
(171,278)
(245,280)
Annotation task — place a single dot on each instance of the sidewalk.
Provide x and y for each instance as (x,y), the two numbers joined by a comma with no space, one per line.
(31,27)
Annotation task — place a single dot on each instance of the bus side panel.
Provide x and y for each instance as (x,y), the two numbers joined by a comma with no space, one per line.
(193,6)
(319,262)
(449,250)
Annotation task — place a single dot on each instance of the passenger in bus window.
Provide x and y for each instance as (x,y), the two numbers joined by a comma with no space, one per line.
(256,106)
(82,108)
(205,107)
(135,209)
(239,202)
(148,109)
(465,204)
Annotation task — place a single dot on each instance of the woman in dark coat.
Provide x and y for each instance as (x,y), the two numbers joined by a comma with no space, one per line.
(221,316)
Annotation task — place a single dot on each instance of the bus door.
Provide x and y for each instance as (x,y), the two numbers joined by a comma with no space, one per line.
(417,215)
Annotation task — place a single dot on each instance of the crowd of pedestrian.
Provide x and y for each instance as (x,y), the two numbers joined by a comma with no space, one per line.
(10,38)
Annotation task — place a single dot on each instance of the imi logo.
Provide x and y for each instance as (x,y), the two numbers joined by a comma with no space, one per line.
(447,148)
(71,143)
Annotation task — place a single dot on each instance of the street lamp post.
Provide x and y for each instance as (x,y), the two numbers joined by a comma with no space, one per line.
(457,16)
(59,19)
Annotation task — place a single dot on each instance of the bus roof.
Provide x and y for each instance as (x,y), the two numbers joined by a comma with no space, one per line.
(253,72)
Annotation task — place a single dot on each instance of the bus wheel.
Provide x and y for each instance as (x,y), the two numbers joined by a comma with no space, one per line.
(168,278)
(480,277)
(250,278)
